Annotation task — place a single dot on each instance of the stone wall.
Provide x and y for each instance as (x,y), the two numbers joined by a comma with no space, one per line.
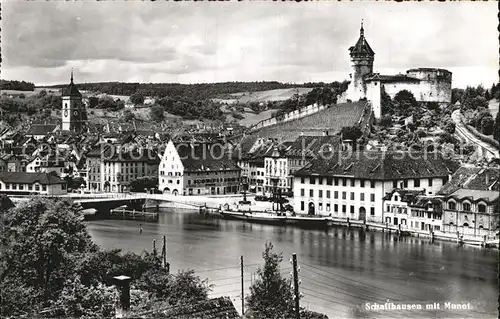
(297,114)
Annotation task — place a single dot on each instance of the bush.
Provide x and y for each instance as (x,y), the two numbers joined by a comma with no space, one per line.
(237,115)
(156,113)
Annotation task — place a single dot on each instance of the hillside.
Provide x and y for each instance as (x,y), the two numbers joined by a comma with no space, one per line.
(263,96)
(331,119)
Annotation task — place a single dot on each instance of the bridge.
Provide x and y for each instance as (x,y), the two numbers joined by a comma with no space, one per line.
(483,149)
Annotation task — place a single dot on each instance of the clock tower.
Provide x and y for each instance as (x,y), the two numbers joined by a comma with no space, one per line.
(74,115)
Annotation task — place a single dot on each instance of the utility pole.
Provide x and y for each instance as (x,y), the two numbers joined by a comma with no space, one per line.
(296,286)
(242,289)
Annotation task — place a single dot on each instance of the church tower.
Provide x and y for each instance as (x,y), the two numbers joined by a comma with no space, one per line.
(362,57)
(74,115)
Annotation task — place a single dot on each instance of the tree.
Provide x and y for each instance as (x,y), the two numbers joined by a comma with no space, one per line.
(496,127)
(450,127)
(487,125)
(271,295)
(156,113)
(387,103)
(43,239)
(142,183)
(351,133)
(137,98)
(405,103)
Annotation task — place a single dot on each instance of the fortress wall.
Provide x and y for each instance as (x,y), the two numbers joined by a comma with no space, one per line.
(435,85)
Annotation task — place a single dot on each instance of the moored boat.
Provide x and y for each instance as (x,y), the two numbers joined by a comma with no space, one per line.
(309,221)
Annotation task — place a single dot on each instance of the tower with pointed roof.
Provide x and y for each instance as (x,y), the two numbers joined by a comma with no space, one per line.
(74,115)
(362,57)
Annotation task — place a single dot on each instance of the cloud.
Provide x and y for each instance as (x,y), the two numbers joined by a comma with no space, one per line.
(244,41)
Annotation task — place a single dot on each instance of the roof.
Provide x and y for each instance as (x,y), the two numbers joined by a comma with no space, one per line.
(202,157)
(390,78)
(476,195)
(407,195)
(30,178)
(117,153)
(309,146)
(428,70)
(361,48)
(472,177)
(378,165)
(41,129)
(215,308)
(71,89)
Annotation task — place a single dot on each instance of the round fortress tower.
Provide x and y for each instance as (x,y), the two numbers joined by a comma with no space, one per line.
(435,84)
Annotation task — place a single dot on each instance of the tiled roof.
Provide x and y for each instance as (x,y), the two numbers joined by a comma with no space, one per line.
(391,78)
(71,90)
(115,153)
(472,178)
(381,165)
(201,157)
(407,195)
(361,47)
(216,308)
(309,146)
(476,195)
(30,178)
(41,129)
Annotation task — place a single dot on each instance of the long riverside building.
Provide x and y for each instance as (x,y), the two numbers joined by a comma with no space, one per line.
(353,185)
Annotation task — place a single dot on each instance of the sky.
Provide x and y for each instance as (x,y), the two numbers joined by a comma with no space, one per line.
(196,42)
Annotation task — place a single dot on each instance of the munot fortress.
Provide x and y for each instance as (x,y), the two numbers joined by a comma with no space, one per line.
(426,84)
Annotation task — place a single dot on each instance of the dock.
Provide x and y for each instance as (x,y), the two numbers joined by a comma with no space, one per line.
(133,215)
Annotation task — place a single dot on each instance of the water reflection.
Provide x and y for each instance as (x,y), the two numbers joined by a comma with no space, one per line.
(341,269)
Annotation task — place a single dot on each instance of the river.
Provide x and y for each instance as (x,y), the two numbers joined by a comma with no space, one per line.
(340,270)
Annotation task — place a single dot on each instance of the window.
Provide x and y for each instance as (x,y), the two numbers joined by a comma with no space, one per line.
(394,184)
(344,182)
(336,194)
(481,208)
(344,209)
(372,197)
(336,181)
(327,194)
(328,207)
(344,195)
(372,211)
(396,198)
(21,187)
(352,209)
(189,182)
(14,186)
(405,183)
(430,182)
(372,184)
(362,197)
(302,205)
(311,193)
(44,188)
(320,181)
(466,207)
(320,206)
(452,205)
(320,195)
(388,208)
(312,181)
(362,182)
(353,182)
(302,192)
(302,180)
(335,207)
(352,195)
(328,181)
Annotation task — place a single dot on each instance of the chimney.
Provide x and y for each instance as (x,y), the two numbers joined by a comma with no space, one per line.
(123,286)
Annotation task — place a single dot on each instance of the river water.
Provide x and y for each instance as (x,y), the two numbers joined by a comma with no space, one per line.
(341,270)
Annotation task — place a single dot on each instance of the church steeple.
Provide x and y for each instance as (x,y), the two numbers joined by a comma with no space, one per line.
(71,76)
(361,31)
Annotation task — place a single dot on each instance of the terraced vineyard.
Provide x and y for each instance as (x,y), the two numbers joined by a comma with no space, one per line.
(331,119)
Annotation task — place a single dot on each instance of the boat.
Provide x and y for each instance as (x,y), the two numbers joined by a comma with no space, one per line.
(262,217)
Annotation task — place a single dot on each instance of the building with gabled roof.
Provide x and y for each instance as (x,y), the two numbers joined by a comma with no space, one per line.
(198,169)
(40,131)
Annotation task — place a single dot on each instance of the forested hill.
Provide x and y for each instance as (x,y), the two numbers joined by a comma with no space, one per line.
(200,91)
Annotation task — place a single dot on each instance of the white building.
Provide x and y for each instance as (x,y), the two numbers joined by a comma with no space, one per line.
(197,169)
(21,183)
(353,185)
